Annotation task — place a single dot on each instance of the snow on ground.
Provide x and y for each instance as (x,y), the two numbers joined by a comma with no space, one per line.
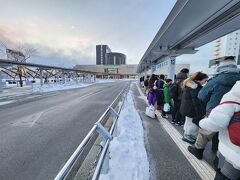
(71,85)
(36,87)
(57,87)
(128,157)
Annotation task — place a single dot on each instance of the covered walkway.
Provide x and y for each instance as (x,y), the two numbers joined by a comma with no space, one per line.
(167,153)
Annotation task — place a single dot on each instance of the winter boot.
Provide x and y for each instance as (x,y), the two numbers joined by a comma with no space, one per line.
(198,153)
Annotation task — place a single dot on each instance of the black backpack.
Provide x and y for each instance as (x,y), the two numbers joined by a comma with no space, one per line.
(174,90)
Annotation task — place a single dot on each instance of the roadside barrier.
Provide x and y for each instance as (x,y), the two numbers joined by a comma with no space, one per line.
(70,168)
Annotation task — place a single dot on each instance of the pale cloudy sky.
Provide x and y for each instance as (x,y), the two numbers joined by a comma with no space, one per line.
(65,32)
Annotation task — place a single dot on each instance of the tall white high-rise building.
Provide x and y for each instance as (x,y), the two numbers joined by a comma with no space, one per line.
(227,46)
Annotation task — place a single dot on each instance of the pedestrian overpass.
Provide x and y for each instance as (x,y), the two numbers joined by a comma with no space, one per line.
(189,25)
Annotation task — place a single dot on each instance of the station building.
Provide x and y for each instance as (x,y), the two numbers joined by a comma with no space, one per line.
(113,71)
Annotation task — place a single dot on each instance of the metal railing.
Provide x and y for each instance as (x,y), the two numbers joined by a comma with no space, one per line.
(106,136)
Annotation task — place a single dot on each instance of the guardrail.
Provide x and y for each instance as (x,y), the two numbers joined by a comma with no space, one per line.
(65,172)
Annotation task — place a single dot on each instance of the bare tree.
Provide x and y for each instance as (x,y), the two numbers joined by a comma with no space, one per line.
(19,54)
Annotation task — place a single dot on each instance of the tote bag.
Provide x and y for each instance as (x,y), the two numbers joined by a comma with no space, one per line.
(150,111)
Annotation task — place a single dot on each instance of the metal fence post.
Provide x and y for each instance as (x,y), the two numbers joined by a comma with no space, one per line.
(105,136)
(115,115)
(102,131)
(113,112)
(105,166)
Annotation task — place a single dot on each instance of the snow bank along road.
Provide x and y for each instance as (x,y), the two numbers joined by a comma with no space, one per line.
(39,134)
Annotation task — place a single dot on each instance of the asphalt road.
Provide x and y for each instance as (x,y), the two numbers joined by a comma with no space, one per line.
(40,132)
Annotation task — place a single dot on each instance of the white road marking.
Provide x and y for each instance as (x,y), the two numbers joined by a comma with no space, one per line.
(6,102)
(28,121)
(204,170)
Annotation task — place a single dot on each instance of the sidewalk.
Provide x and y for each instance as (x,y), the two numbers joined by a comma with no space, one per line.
(167,153)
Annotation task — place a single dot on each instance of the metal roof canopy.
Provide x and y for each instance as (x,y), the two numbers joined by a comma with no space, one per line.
(191,24)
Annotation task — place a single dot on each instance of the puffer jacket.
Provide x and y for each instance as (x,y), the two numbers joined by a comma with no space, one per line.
(191,106)
(218,121)
(213,91)
(167,98)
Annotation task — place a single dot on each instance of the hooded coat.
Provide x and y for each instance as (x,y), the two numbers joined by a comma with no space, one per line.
(218,121)
(191,106)
(220,84)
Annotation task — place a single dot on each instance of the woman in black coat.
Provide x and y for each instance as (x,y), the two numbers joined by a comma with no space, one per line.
(191,106)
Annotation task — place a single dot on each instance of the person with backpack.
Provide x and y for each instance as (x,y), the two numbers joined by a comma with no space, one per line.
(175,92)
(225,119)
(191,106)
(227,74)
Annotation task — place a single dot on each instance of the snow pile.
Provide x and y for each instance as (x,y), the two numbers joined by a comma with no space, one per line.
(128,157)
(57,87)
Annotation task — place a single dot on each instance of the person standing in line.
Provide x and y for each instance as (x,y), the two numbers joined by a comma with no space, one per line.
(152,95)
(160,98)
(218,121)
(167,99)
(176,94)
(211,94)
(191,106)
(146,84)
(142,81)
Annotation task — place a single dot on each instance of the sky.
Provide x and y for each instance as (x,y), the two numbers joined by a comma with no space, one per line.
(65,33)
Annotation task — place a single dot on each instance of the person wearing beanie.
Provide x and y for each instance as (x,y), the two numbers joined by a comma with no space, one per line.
(228,64)
(191,106)
(211,94)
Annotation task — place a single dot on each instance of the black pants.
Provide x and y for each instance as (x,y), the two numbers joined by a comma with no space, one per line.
(176,115)
(174,109)
(215,142)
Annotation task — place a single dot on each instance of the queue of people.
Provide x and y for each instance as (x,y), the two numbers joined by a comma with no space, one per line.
(205,108)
